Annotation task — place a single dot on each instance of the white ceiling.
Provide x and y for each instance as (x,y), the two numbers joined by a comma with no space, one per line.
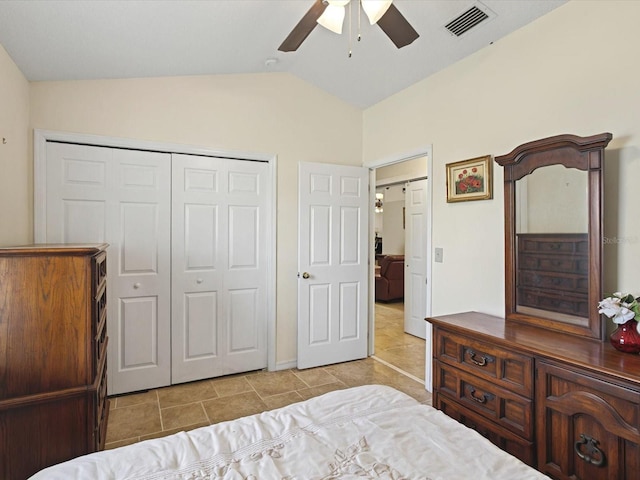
(92,39)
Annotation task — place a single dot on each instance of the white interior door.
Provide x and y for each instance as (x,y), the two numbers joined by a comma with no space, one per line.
(332,263)
(121,197)
(415,274)
(219,280)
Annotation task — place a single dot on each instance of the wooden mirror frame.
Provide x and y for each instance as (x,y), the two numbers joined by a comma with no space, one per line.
(583,153)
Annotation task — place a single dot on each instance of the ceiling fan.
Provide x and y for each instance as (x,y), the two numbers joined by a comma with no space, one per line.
(330,14)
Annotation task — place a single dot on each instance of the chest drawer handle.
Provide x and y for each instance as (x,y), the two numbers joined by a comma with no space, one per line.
(480,399)
(482,362)
(590,453)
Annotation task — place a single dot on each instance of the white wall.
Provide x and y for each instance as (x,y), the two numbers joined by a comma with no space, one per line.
(15,165)
(574,70)
(266,113)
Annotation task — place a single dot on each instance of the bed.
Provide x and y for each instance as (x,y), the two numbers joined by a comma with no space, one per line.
(371,431)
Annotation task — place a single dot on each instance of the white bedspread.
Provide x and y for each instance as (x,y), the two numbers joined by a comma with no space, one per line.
(369,432)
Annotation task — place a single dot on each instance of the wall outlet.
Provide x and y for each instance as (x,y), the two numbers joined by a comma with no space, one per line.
(438,255)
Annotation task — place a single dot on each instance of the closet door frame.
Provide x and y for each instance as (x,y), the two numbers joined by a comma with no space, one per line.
(41,137)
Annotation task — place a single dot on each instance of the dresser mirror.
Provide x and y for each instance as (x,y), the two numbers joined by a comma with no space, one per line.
(553,233)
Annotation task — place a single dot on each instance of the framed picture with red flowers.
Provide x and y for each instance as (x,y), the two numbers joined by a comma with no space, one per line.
(470,179)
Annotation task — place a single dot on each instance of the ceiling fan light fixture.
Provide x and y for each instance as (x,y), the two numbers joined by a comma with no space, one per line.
(375,9)
(333,17)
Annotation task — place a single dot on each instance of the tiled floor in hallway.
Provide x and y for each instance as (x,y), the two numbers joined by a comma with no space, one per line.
(163,411)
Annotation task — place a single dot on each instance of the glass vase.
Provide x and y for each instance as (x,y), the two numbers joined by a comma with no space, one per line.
(626,337)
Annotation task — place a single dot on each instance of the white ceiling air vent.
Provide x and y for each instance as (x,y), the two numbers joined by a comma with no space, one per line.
(468,19)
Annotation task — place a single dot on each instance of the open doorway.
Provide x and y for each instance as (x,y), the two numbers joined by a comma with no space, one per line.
(401,243)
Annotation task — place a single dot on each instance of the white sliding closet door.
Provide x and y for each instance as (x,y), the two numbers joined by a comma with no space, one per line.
(122,197)
(219,266)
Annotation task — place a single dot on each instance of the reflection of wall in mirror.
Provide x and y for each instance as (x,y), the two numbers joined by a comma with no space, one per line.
(556,201)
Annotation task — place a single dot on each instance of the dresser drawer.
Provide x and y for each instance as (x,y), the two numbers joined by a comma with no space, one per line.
(100,308)
(507,409)
(100,347)
(553,281)
(554,263)
(99,270)
(506,440)
(502,367)
(102,409)
(566,244)
(561,302)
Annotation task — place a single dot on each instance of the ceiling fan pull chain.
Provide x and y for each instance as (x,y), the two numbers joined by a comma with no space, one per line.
(350,43)
(359,17)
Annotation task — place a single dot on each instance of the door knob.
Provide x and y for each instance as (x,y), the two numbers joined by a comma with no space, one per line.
(199,280)
(305,275)
(136,285)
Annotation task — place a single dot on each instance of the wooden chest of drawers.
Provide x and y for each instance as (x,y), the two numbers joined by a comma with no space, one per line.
(552,272)
(53,340)
(566,405)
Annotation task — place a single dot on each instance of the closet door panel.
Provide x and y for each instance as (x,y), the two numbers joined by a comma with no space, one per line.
(217,253)
(140,267)
(200,239)
(138,324)
(243,237)
(201,337)
(244,327)
(121,197)
(245,277)
(83,221)
(198,218)
(76,194)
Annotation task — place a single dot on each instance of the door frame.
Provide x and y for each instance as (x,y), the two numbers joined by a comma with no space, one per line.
(424,151)
(41,137)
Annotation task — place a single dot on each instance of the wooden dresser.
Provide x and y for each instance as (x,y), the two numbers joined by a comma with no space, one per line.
(53,340)
(553,272)
(567,405)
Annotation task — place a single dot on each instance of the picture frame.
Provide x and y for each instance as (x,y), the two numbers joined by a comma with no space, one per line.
(470,179)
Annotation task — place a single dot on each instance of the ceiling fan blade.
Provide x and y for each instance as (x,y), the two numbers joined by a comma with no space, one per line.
(303,28)
(397,28)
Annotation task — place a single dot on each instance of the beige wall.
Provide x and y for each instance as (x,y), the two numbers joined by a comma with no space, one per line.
(15,165)
(575,70)
(269,113)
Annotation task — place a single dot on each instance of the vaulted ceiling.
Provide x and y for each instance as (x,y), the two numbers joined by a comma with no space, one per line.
(101,39)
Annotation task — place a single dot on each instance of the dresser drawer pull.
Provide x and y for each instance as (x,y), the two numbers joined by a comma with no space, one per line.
(484,358)
(480,399)
(590,453)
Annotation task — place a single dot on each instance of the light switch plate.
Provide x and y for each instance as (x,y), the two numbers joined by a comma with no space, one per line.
(438,255)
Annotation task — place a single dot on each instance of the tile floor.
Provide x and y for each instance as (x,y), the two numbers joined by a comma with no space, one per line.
(163,411)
